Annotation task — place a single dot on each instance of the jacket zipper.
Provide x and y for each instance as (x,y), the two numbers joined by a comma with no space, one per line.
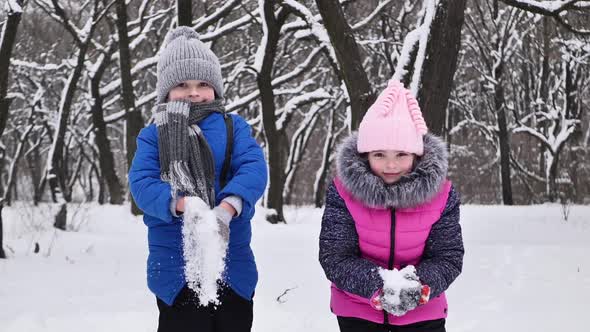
(391,256)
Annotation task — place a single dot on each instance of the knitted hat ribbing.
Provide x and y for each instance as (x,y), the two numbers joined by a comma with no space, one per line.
(393,122)
(184,57)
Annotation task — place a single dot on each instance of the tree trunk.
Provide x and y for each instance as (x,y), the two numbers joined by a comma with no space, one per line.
(105,158)
(349,59)
(184,11)
(134,120)
(440,63)
(105,155)
(544,90)
(61,217)
(322,173)
(18,153)
(35,169)
(56,161)
(7,40)
(276,140)
(499,102)
(2,253)
(552,192)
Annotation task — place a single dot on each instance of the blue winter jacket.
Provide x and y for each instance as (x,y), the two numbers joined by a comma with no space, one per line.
(247,179)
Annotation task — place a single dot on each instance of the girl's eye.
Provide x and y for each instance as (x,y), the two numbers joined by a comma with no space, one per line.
(378,155)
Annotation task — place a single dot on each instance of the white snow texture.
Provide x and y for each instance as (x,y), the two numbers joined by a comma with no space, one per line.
(396,280)
(204,250)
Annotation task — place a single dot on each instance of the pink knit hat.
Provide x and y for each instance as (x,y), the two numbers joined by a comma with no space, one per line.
(393,122)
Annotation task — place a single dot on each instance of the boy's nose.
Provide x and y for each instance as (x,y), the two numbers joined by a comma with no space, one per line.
(193,92)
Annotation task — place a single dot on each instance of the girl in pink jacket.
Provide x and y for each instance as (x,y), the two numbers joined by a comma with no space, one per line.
(391,242)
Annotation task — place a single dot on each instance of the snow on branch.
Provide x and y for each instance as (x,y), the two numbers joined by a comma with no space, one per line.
(554,9)
(37,66)
(316,28)
(234,25)
(301,68)
(297,102)
(12,7)
(549,8)
(206,21)
(417,36)
(139,67)
(380,7)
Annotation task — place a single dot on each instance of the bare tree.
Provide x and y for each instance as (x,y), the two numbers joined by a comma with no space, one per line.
(7,40)
(133,120)
(557,10)
(82,39)
(105,154)
(275,139)
(429,58)
(496,44)
(351,70)
(438,70)
(556,119)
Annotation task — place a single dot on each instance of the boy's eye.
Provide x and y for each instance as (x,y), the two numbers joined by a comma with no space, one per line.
(203,84)
(181,85)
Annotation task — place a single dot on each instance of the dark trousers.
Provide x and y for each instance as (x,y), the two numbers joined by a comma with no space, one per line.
(234,313)
(349,324)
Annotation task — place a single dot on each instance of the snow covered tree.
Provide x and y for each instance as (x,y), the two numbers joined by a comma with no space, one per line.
(557,111)
(494,46)
(350,64)
(133,118)
(7,39)
(428,58)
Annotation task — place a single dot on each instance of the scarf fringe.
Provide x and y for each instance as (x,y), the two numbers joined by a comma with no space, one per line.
(181,178)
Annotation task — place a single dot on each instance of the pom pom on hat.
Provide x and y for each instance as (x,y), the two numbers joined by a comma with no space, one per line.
(182,31)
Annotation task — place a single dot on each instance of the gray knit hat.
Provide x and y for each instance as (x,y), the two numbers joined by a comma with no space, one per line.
(184,57)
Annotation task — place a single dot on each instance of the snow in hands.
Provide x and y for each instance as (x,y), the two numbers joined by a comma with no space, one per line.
(396,289)
(204,250)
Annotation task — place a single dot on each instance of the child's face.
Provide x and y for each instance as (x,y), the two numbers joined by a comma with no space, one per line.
(391,165)
(193,90)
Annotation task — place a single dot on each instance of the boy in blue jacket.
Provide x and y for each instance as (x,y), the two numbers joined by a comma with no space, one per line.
(182,155)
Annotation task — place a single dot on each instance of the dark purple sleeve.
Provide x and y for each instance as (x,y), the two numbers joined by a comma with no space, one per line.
(442,260)
(339,250)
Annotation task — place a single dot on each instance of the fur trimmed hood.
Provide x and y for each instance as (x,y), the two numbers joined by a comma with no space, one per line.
(413,189)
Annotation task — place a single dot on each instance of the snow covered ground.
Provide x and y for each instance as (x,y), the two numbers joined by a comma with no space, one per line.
(525,269)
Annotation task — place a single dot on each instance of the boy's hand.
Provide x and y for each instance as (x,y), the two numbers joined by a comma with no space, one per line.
(229,208)
(223,220)
(180,205)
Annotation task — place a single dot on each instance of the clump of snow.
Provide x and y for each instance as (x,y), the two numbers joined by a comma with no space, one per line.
(204,250)
(395,280)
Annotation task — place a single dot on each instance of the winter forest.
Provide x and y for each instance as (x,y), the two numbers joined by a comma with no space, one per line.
(506,83)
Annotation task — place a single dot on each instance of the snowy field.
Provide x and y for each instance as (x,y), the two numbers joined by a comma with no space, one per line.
(525,269)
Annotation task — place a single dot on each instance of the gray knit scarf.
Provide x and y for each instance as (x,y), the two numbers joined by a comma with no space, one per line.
(186,160)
